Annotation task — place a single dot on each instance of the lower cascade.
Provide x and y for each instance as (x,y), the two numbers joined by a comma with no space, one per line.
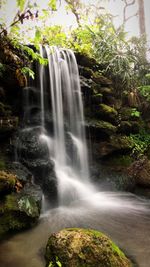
(61,97)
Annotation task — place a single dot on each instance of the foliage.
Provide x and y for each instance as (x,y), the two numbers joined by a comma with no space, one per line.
(28,71)
(109,46)
(124,61)
(58,263)
(135,113)
(145,91)
(141,142)
(19,56)
(52,35)
(81,40)
(139,49)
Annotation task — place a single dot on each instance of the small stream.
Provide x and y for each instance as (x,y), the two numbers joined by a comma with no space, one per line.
(123,217)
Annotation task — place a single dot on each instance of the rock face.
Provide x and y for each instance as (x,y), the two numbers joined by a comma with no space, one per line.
(140,172)
(19,211)
(83,247)
(20,200)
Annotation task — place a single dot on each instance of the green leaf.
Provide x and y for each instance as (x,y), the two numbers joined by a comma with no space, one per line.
(26,70)
(52,5)
(58,262)
(21,4)
(37,34)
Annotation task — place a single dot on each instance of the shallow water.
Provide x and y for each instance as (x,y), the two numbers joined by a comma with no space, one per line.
(123,217)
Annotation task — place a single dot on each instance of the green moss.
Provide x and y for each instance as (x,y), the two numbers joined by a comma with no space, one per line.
(107,109)
(17,212)
(100,79)
(84,248)
(101,125)
(120,160)
(121,142)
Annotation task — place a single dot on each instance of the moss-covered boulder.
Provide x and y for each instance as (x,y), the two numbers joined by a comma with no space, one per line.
(129,114)
(140,171)
(83,248)
(97,98)
(106,113)
(128,127)
(116,144)
(19,211)
(98,129)
(100,79)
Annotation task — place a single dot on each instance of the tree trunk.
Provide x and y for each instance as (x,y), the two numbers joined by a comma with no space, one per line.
(141,17)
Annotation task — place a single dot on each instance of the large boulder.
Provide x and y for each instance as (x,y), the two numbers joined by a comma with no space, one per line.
(116,144)
(83,247)
(140,171)
(19,211)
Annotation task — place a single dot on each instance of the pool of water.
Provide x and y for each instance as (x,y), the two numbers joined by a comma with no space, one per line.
(123,217)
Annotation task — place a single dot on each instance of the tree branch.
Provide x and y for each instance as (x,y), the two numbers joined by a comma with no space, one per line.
(127,4)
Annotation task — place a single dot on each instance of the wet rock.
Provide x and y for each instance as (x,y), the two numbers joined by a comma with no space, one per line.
(19,211)
(116,143)
(97,129)
(127,127)
(30,145)
(23,174)
(100,79)
(128,114)
(106,113)
(140,171)
(83,247)
(86,72)
(86,61)
(97,99)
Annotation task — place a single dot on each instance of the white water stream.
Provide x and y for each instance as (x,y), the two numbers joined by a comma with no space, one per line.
(71,168)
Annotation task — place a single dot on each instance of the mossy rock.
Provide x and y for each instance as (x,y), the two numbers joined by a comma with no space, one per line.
(18,212)
(83,248)
(128,127)
(140,171)
(99,89)
(8,182)
(97,98)
(86,61)
(106,113)
(115,144)
(121,142)
(86,72)
(99,128)
(100,79)
(129,114)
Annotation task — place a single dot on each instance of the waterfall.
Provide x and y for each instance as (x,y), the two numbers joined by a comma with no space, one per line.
(67,147)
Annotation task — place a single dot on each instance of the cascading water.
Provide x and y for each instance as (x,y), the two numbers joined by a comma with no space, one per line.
(67,146)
